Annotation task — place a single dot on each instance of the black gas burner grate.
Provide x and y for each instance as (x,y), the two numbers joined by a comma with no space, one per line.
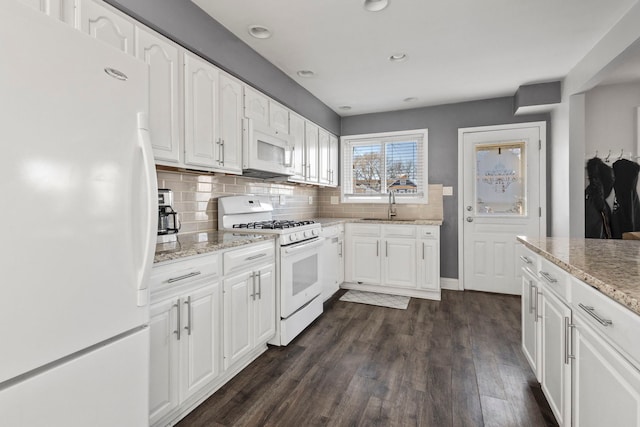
(273,225)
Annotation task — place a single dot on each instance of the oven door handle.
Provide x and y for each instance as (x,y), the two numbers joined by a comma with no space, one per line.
(303,246)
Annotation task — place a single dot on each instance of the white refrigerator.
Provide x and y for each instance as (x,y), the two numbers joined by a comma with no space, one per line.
(79,209)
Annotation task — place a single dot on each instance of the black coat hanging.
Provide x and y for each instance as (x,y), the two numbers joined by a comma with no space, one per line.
(597,221)
(626,214)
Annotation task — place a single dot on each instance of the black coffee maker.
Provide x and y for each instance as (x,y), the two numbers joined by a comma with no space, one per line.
(167,218)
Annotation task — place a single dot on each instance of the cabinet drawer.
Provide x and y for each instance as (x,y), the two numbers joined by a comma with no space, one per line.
(430,232)
(240,259)
(364,229)
(183,271)
(399,231)
(616,323)
(554,278)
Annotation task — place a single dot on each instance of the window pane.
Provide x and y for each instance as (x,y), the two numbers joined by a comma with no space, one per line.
(367,169)
(500,182)
(401,166)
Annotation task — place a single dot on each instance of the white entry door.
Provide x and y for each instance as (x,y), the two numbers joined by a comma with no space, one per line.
(503,195)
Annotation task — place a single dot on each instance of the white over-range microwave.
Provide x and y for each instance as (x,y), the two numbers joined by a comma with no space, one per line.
(266,153)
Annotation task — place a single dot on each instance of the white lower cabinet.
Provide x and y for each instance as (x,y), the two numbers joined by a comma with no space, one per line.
(393,259)
(249,306)
(581,345)
(186,351)
(211,315)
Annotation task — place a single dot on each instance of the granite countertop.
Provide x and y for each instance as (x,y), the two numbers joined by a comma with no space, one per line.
(200,243)
(611,266)
(326,222)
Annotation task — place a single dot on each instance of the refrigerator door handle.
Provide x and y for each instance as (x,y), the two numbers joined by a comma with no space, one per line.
(149,191)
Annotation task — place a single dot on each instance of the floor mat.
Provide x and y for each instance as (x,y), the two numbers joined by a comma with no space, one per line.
(372,298)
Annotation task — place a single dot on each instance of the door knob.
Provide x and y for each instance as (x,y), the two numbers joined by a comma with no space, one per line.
(469,208)
(469,219)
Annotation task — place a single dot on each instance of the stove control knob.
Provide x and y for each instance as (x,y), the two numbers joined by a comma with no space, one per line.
(314,232)
(306,234)
(292,237)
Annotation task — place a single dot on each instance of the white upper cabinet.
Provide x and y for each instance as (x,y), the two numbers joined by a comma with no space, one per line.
(311,158)
(323,157)
(334,150)
(200,112)
(278,117)
(105,25)
(296,127)
(164,87)
(256,106)
(230,154)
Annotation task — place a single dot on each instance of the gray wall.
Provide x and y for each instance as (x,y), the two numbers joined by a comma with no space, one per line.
(186,24)
(443,122)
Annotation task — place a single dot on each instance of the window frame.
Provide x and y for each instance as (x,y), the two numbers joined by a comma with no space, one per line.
(347,143)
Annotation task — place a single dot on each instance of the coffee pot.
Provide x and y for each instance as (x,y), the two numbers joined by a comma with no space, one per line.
(167,218)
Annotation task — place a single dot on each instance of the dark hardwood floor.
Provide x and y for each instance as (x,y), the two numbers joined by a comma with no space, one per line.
(456,362)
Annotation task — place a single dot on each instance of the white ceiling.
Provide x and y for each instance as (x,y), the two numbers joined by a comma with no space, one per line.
(458,50)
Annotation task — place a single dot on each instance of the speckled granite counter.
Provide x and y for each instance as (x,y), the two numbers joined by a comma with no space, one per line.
(611,266)
(200,243)
(326,222)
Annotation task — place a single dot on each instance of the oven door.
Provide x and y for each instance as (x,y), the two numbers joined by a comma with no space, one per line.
(299,275)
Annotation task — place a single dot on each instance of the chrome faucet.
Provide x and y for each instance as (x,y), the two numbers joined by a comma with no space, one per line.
(392,204)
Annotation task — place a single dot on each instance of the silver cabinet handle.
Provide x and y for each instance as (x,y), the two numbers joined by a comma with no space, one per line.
(188,327)
(422,250)
(535,309)
(386,248)
(253,285)
(592,312)
(341,249)
(525,259)
(259,294)
(185,276)
(222,149)
(378,248)
(531,296)
(218,143)
(177,331)
(548,277)
(568,326)
(256,256)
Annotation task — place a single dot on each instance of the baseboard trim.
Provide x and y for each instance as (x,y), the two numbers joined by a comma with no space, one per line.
(449,284)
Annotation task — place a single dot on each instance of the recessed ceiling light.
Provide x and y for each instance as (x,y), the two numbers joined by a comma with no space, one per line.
(410,99)
(375,5)
(398,57)
(306,73)
(344,107)
(259,32)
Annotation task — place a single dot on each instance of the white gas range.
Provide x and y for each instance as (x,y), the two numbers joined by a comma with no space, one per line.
(297,259)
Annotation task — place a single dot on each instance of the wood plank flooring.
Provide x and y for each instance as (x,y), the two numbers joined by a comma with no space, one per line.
(456,362)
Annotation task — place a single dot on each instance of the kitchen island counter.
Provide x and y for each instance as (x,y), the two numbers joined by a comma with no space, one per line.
(200,243)
(610,266)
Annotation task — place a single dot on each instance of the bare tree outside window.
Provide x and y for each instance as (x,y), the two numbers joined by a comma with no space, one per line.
(367,168)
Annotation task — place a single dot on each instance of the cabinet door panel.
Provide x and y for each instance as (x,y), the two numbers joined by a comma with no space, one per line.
(530,323)
(265,305)
(164,360)
(256,106)
(201,112)
(334,149)
(556,374)
(202,326)
(429,264)
(278,118)
(400,263)
(164,104)
(365,259)
(230,124)
(238,317)
(323,157)
(107,26)
(296,125)
(606,385)
(311,142)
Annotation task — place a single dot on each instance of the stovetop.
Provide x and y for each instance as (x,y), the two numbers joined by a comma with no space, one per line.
(274,224)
